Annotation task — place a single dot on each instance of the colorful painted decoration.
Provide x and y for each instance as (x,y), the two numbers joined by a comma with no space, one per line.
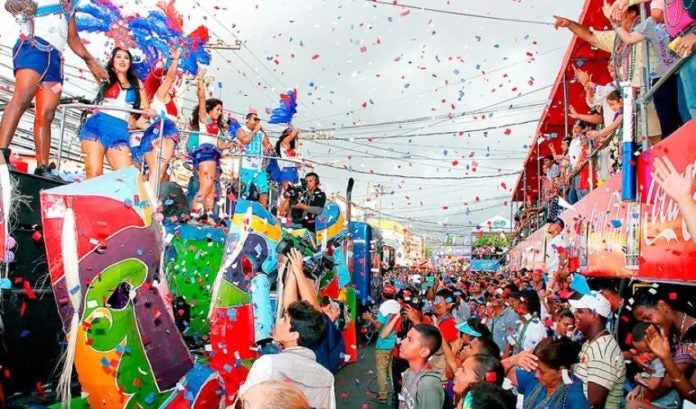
(241,293)
(104,249)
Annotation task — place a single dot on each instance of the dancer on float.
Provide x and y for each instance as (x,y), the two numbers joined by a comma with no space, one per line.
(106,132)
(160,88)
(285,149)
(208,120)
(46,26)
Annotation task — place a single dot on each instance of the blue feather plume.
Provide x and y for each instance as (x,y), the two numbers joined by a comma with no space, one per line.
(287,109)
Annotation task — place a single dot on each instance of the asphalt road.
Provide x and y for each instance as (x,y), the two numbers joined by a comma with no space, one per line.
(356,383)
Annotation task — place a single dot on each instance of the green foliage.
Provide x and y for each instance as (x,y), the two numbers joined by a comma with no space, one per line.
(496,240)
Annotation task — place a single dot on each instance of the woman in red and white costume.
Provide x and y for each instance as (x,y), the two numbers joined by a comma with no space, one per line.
(106,132)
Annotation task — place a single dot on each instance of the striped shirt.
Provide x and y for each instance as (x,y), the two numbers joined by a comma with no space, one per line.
(601,362)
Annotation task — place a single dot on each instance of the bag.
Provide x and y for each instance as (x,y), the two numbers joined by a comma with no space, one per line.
(680,16)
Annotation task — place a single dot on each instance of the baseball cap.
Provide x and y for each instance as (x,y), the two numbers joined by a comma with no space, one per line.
(466,328)
(530,297)
(593,301)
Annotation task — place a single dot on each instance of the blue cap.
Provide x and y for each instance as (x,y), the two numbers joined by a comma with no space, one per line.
(466,328)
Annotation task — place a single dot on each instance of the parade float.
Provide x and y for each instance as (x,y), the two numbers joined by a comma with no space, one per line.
(134,306)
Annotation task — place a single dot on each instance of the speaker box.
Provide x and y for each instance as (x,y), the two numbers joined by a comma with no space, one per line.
(32,334)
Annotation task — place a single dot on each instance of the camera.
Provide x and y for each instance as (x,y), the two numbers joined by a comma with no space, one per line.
(313,266)
(295,192)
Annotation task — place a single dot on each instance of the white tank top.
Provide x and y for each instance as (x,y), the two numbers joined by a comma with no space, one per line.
(118,97)
(160,106)
(205,139)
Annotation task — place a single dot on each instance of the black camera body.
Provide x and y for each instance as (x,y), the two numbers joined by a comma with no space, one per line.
(313,266)
(294,192)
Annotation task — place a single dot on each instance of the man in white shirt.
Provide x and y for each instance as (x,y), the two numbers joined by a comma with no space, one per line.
(556,255)
(299,329)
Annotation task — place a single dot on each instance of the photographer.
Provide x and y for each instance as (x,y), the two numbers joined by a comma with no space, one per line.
(330,350)
(304,203)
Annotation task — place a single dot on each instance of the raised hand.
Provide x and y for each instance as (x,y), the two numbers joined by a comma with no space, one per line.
(561,22)
(676,185)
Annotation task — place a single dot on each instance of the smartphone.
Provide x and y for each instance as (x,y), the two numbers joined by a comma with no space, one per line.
(673,45)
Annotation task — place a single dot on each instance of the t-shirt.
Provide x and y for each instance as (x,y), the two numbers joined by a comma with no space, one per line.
(421,391)
(528,335)
(298,366)
(553,257)
(535,394)
(601,362)
(680,351)
(661,57)
(605,41)
(503,326)
(331,348)
(574,150)
(253,150)
(388,342)
(449,331)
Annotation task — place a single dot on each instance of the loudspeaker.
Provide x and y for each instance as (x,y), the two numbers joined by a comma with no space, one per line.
(32,334)
(30,186)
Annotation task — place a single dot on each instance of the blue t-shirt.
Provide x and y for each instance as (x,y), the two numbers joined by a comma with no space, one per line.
(389,341)
(526,383)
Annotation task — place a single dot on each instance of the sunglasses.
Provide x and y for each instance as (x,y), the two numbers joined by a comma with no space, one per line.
(255,119)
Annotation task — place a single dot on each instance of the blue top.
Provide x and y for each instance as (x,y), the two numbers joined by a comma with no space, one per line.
(389,341)
(565,397)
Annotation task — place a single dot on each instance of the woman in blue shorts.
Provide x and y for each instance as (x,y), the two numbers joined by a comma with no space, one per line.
(160,88)
(206,118)
(46,26)
(285,149)
(106,132)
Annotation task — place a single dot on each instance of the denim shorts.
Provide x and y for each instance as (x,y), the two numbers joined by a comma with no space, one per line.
(41,57)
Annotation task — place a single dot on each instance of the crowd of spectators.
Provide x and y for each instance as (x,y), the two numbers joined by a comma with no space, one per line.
(516,339)
(592,152)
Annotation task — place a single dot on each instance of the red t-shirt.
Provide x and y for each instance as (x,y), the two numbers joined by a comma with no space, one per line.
(449,330)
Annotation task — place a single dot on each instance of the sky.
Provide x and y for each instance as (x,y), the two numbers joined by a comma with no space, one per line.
(430,110)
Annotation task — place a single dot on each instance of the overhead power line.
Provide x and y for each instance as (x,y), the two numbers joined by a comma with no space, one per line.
(459,13)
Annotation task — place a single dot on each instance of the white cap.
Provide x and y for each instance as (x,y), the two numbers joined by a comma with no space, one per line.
(390,307)
(593,301)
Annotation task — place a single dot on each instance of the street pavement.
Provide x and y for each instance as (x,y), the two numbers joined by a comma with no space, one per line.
(356,383)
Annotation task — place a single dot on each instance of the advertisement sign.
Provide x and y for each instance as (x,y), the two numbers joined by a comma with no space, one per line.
(596,229)
(668,248)
(484,265)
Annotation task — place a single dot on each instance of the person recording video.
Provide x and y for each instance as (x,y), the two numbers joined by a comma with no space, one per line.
(304,202)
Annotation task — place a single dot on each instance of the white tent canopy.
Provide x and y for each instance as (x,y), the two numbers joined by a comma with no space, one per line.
(495,224)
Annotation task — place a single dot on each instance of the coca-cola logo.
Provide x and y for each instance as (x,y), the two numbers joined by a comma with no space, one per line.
(659,215)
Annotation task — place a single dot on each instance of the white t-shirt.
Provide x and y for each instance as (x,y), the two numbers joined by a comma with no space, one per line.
(52,28)
(553,258)
(574,151)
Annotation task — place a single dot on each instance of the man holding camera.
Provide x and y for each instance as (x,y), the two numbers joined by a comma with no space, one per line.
(330,350)
(305,209)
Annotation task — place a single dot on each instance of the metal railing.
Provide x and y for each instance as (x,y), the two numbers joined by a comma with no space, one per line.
(234,151)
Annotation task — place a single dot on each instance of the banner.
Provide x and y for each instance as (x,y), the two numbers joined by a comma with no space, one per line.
(484,265)
(668,248)
(597,229)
